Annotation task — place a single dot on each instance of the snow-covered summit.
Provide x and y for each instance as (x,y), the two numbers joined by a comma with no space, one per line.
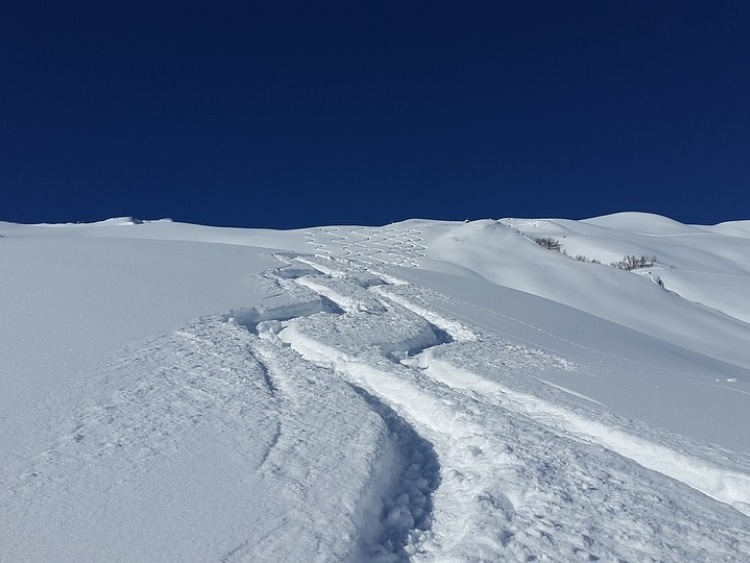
(513,389)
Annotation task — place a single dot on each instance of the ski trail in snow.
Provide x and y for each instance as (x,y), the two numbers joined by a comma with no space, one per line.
(500,492)
(390,473)
(398,245)
(730,487)
(394,514)
(400,513)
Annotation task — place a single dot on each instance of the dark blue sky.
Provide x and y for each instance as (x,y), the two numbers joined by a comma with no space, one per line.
(286,114)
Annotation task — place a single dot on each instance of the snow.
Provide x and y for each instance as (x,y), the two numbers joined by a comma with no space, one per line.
(423,391)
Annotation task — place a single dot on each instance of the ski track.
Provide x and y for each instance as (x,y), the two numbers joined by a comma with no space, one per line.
(514,468)
(395,431)
(399,246)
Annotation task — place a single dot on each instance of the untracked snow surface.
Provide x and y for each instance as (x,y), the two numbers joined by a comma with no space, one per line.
(422,391)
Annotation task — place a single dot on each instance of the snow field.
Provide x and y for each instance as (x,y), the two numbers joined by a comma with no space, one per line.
(423,391)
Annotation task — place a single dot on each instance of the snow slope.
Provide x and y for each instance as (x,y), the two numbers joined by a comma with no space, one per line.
(425,391)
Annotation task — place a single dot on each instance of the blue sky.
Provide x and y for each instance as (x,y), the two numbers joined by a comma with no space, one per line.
(290,114)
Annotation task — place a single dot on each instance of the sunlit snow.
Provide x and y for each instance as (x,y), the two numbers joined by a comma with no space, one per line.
(421,391)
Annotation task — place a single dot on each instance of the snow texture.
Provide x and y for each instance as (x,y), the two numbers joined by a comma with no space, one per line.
(422,391)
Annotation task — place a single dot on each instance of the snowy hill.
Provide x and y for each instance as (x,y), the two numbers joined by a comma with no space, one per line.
(424,391)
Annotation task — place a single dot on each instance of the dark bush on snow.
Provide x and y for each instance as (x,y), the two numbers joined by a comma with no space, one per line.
(549,243)
(632,262)
(628,263)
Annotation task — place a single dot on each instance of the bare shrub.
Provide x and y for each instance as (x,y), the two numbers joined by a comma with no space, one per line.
(632,262)
(586,259)
(549,243)
(627,263)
